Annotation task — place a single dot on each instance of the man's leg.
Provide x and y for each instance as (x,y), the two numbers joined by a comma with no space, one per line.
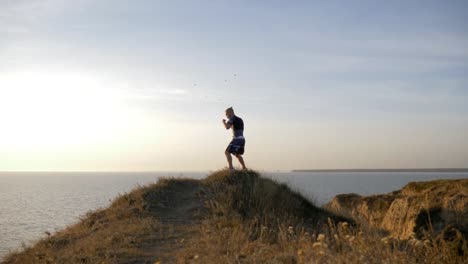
(241,160)
(229,159)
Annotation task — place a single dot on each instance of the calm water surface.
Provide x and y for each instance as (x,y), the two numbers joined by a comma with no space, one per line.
(32,203)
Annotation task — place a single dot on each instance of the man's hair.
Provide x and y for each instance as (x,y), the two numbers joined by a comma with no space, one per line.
(230,109)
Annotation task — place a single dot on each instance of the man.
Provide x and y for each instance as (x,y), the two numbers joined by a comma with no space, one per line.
(237,144)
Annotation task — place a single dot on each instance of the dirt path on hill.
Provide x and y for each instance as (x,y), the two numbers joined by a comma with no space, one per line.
(180,213)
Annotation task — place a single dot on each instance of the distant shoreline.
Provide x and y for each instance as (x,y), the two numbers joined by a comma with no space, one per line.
(385,170)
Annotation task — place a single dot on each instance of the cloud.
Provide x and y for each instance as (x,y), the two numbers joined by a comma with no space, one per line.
(23,16)
(378,53)
(174,91)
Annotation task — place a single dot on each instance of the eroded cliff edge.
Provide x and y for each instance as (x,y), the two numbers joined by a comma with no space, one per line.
(437,207)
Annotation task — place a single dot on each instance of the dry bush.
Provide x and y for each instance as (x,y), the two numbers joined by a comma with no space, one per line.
(232,243)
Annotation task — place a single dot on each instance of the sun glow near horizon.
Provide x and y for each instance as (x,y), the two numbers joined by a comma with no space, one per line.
(52,110)
(61,121)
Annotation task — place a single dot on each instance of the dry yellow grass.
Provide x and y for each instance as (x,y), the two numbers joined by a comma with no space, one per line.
(229,217)
(128,231)
(255,220)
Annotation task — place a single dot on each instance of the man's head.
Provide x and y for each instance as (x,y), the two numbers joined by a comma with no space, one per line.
(229,112)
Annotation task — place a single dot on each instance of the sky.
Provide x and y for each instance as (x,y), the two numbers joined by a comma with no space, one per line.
(143,85)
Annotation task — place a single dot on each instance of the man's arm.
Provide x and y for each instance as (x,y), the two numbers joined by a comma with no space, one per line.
(227,124)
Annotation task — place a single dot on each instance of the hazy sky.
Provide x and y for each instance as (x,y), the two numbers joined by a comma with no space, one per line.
(142,85)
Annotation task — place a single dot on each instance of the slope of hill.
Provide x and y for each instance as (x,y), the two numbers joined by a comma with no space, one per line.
(237,217)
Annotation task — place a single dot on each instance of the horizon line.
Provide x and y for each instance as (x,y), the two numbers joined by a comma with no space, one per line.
(386,170)
(272,170)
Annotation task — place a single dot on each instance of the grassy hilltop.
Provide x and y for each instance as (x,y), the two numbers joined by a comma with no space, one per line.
(228,217)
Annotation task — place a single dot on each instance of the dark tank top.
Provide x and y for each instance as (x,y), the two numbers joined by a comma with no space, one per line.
(237,126)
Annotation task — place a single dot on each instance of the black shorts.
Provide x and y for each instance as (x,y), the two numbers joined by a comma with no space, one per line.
(236,146)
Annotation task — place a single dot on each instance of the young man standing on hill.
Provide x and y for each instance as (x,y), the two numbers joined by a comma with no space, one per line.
(237,144)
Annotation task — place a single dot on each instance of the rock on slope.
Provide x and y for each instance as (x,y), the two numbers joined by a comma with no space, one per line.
(418,208)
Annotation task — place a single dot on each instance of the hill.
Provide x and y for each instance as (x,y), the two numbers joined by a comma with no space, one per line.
(237,217)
